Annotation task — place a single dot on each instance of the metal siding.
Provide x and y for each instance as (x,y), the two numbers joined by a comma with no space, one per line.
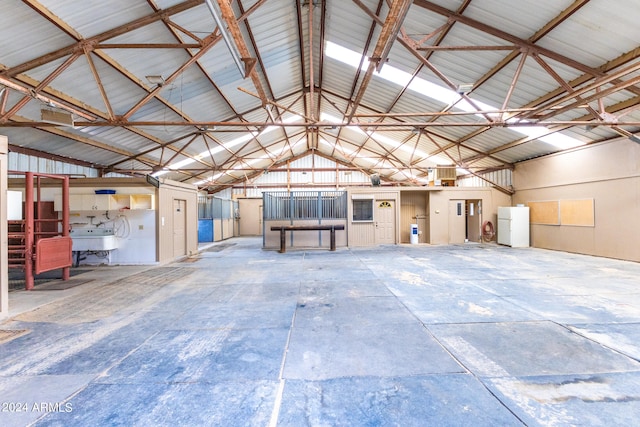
(611,20)
(536,84)
(456,65)
(27,163)
(502,178)
(527,151)
(486,141)
(16,22)
(274,27)
(349,26)
(97,16)
(537,14)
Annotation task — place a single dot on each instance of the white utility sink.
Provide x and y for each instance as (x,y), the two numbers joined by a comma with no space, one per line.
(93,240)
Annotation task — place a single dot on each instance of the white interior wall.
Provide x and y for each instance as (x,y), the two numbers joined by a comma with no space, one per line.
(136,246)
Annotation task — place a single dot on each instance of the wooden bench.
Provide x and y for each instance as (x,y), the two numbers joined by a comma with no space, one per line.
(284,228)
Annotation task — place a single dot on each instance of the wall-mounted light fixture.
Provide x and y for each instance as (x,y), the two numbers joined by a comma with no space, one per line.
(464,88)
(155,80)
(56,116)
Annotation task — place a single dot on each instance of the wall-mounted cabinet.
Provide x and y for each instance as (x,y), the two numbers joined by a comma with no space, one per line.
(142,201)
(120,201)
(106,202)
(132,201)
(84,202)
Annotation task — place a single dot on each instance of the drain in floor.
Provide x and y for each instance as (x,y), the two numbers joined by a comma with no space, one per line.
(220,247)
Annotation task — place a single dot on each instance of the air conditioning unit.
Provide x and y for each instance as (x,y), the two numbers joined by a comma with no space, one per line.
(446,173)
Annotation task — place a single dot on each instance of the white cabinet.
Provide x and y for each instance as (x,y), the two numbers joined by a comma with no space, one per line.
(84,202)
(105,202)
(89,202)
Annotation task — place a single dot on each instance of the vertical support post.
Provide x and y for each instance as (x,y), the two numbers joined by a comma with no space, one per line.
(265,208)
(4,229)
(292,208)
(28,232)
(333,238)
(283,241)
(319,207)
(65,219)
(37,224)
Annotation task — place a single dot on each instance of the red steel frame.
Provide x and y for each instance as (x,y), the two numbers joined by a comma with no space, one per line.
(32,230)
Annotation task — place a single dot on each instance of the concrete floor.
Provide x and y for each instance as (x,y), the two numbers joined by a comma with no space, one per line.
(475,335)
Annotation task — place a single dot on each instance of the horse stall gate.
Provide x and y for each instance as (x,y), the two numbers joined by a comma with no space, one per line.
(217,218)
(304,208)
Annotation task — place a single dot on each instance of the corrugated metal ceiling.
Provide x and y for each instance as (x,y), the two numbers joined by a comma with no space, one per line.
(569,66)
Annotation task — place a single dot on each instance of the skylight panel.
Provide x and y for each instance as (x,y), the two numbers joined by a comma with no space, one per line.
(226,146)
(443,94)
(389,141)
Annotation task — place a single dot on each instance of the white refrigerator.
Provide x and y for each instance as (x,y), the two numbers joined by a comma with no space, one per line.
(513,226)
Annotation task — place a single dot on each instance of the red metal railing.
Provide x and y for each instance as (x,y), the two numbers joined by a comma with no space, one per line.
(24,234)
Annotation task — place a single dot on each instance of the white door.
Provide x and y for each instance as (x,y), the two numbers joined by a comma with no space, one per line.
(385,222)
(457,221)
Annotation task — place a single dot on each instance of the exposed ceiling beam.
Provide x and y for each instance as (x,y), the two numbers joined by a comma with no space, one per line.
(529,45)
(390,29)
(540,114)
(365,126)
(78,46)
(44,155)
(246,56)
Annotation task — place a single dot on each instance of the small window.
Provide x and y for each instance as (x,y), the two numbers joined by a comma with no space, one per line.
(363,210)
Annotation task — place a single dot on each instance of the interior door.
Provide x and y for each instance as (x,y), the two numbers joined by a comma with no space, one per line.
(457,222)
(385,222)
(250,217)
(474,220)
(179,228)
